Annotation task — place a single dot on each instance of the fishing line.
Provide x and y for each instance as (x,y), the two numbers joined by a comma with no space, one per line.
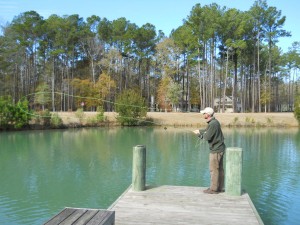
(148,121)
(90,98)
(199,141)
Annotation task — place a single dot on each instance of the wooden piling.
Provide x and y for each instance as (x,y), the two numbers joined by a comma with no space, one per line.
(233,176)
(139,168)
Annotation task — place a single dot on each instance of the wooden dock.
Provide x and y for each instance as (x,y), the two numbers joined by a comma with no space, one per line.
(169,205)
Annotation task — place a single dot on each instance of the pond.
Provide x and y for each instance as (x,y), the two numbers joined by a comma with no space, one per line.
(42,172)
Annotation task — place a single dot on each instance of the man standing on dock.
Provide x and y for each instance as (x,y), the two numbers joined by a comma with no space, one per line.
(214,136)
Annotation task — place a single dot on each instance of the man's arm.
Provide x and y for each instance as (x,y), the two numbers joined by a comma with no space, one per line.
(210,132)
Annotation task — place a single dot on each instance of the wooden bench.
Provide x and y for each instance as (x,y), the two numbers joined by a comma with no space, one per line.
(75,216)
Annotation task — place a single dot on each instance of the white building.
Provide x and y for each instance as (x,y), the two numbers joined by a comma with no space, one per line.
(218,104)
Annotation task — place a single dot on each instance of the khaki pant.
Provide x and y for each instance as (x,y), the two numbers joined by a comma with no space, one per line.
(216,171)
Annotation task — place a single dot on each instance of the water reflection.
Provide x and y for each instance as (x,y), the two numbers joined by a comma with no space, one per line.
(45,171)
(270,172)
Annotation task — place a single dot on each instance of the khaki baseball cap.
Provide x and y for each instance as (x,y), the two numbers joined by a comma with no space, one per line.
(207,110)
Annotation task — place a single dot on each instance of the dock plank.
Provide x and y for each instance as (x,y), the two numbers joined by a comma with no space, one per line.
(73,217)
(57,219)
(86,217)
(168,205)
(82,216)
(103,217)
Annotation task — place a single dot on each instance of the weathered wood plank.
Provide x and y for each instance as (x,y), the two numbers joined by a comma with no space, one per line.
(182,205)
(78,216)
(60,217)
(73,217)
(103,217)
(86,217)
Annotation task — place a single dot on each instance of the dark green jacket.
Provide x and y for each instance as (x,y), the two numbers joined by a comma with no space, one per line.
(214,136)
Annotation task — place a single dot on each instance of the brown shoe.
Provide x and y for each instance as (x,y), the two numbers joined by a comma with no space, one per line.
(209,191)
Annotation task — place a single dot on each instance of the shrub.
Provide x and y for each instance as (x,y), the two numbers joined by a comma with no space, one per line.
(247,119)
(56,121)
(80,114)
(131,108)
(100,115)
(297,109)
(43,118)
(21,115)
(269,120)
(14,115)
(91,121)
(6,113)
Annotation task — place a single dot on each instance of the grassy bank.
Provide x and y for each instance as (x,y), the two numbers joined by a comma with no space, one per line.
(196,119)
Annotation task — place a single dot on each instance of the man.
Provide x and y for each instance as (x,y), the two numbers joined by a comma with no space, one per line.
(214,136)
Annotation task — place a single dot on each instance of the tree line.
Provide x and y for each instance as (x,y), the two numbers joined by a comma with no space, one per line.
(63,63)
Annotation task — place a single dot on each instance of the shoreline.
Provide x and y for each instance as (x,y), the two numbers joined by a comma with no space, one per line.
(192,119)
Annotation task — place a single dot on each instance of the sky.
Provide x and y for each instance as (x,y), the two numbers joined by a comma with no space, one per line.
(165,15)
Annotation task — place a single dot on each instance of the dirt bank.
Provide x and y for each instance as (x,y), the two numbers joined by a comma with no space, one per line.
(196,119)
(227,119)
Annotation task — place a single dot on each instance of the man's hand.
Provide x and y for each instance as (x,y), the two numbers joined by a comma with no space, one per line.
(196,132)
(199,133)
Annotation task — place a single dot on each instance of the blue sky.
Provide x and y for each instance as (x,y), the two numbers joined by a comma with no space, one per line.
(163,14)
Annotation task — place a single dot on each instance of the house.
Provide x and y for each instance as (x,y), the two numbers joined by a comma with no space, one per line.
(218,104)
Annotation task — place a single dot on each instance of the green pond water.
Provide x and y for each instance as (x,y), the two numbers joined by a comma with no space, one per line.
(42,172)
